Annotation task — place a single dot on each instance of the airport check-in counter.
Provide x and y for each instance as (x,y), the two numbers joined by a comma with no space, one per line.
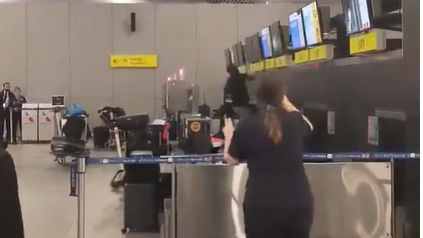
(351,199)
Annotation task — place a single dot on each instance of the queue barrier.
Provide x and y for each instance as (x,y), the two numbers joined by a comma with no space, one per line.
(78,168)
(216,158)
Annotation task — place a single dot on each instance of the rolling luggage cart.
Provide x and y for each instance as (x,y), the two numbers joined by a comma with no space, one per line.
(63,144)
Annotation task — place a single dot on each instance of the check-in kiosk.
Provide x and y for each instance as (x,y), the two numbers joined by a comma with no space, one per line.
(46,119)
(30,122)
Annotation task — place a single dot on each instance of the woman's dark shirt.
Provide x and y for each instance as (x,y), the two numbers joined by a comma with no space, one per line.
(276,172)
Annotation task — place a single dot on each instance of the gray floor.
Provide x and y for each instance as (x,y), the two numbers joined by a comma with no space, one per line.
(47,209)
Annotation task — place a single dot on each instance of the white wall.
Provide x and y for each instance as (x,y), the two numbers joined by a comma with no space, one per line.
(64,47)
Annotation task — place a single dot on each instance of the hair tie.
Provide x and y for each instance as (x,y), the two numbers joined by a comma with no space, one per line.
(269,107)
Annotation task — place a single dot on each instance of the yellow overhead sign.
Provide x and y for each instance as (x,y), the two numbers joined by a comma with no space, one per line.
(133,61)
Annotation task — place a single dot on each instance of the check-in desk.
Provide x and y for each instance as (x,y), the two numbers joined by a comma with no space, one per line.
(351,200)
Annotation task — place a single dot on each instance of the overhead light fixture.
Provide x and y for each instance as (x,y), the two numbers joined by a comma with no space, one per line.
(120,1)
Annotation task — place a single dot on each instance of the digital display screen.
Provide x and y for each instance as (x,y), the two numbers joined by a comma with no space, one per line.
(357,16)
(247,50)
(234,55)
(277,39)
(312,24)
(266,44)
(228,57)
(241,57)
(58,100)
(256,47)
(364,16)
(297,30)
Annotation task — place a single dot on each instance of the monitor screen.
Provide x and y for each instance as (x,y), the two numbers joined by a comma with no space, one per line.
(241,55)
(266,44)
(228,57)
(232,57)
(312,24)
(58,100)
(247,50)
(256,47)
(297,30)
(235,55)
(357,16)
(278,43)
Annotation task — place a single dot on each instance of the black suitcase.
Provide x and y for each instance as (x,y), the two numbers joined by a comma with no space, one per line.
(101,136)
(141,208)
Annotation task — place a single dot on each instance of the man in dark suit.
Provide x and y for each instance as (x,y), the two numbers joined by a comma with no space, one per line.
(6,97)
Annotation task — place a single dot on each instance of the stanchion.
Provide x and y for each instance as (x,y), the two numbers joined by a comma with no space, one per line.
(81,169)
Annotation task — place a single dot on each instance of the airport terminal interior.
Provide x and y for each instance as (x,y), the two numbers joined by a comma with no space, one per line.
(209,118)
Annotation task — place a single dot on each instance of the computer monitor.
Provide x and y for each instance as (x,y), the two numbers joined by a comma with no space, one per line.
(228,57)
(312,24)
(58,100)
(241,54)
(247,50)
(266,43)
(280,38)
(256,47)
(296,29)
(235,55)
(357,15)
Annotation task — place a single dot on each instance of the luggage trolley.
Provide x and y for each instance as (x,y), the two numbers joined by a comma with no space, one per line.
(64,146)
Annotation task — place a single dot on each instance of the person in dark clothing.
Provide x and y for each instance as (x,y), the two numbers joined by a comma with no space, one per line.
(235,91)
(11,224)
(278,201)
(17,112)
(6,98)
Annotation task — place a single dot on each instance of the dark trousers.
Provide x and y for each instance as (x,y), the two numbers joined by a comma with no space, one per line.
(16,123)
(5,118)
(271,222)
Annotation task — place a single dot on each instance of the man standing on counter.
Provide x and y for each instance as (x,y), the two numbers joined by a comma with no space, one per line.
(6,98)
(236,92)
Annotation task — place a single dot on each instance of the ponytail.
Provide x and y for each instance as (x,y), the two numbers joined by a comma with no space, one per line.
(273,125)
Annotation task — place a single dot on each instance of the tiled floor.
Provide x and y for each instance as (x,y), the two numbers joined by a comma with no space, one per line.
(47,209)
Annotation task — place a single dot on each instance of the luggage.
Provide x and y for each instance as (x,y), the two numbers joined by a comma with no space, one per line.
(141,196)
(101,136)
(108,114)
(133,123)
(74,127)
(157,139)
(141,208)
(141,173)
(75,110)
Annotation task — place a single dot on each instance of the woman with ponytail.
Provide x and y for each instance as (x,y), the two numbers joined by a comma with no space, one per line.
(278,201)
